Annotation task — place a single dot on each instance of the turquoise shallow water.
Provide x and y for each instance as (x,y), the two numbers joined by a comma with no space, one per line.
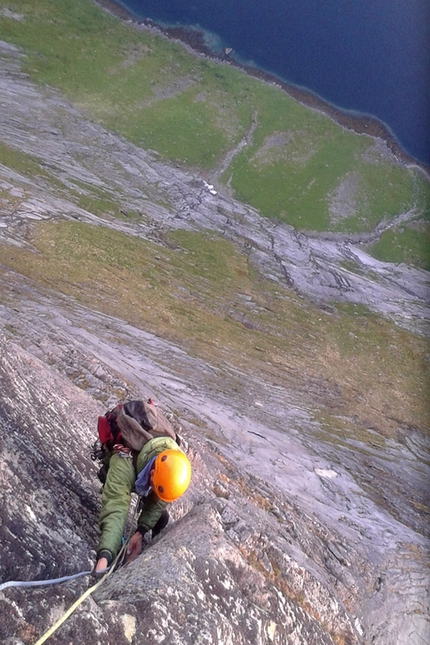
(369,56)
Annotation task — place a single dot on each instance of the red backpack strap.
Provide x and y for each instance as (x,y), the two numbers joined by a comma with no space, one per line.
(104,431)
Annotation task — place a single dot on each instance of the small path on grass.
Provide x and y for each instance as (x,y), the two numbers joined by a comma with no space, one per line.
(247,140)
(367,238)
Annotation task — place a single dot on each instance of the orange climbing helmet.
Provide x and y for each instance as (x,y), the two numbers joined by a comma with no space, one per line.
(171,475)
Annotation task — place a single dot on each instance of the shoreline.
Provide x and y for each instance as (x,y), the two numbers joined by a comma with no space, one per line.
(194,40)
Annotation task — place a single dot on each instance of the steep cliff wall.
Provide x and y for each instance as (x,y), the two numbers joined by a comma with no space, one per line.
(229,569)
(243,560)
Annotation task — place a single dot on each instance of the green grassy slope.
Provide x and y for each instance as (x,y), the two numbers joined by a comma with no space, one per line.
(298,167)
(406,243)
(201,293)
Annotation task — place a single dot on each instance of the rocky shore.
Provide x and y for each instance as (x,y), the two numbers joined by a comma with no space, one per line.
(195,41)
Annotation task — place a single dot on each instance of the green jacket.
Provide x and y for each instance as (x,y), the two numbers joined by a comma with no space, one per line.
(116,495)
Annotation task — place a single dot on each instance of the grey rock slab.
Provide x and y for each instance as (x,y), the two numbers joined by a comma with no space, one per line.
(317,505)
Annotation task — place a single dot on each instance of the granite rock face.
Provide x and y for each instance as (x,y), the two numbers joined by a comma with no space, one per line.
(226,570)
(229,569)
(242,560)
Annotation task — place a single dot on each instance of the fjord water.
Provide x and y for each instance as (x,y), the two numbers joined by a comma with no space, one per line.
(367,56)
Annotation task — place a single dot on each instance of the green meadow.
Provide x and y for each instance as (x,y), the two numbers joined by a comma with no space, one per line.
(201,293)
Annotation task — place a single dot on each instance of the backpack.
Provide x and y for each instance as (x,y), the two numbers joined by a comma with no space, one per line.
(133,424)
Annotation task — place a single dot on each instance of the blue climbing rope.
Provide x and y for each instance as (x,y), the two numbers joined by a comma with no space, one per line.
(41,583)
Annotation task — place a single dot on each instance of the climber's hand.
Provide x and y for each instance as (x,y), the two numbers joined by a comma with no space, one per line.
(100,568)
(134,547)
(102,564)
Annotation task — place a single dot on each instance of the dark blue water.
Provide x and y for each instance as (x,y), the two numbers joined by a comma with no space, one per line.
(369,56)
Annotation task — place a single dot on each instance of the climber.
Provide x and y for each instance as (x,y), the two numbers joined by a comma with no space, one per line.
(159,472)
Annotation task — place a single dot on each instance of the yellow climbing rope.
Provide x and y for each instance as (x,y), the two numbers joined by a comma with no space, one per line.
(71,609)
(89,591)
(81,599)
